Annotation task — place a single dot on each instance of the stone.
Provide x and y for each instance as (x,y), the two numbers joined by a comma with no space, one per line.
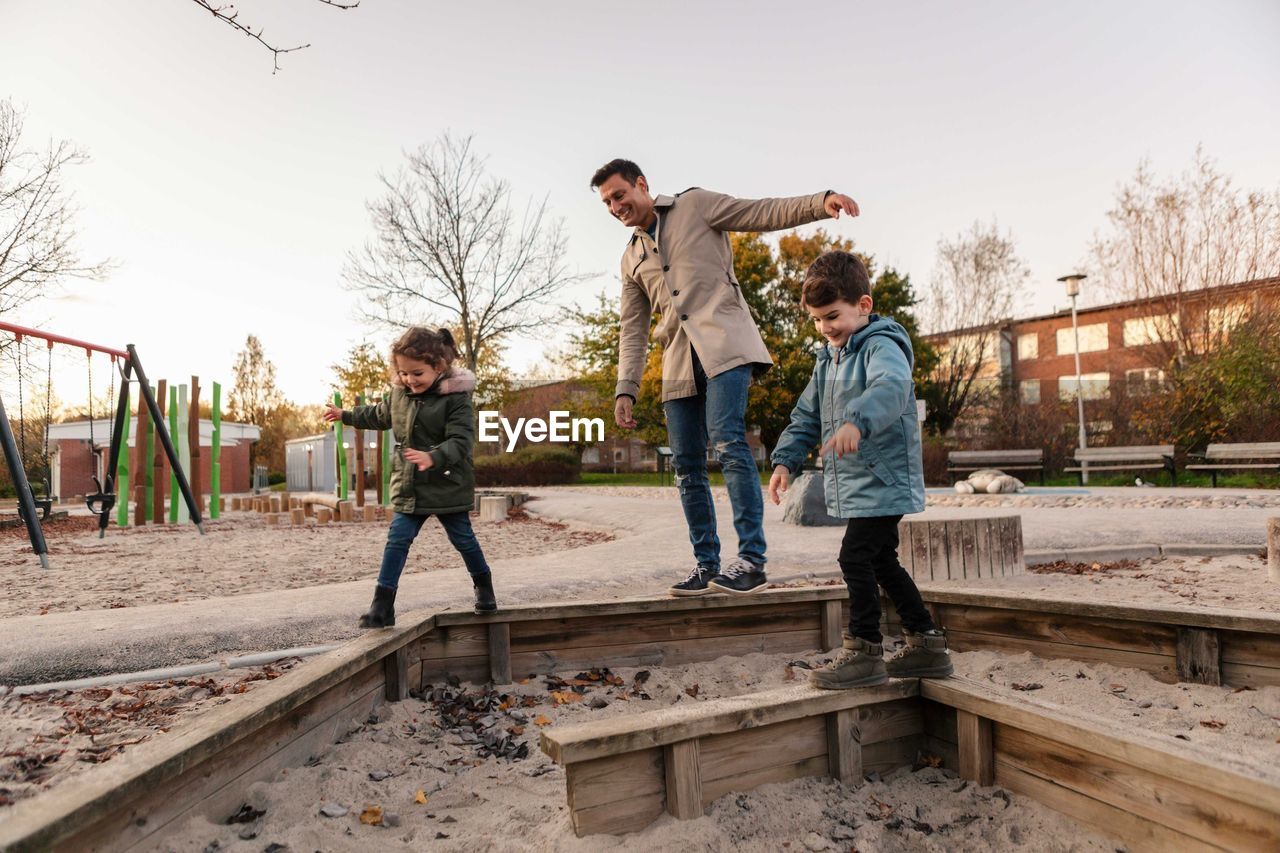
(333,810)
(805,503)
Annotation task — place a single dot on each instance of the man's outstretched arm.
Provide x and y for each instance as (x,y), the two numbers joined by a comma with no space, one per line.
(727,213)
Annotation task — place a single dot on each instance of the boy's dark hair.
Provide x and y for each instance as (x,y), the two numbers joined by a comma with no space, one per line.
(435,347)
(835,275)
(626,168)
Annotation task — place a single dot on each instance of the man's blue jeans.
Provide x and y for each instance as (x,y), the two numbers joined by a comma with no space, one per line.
(718,413)
(404,529)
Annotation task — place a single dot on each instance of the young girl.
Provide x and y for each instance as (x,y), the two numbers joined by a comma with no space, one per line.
(431,415)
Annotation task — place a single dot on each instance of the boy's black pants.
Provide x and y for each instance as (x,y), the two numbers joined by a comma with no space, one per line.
(869,556)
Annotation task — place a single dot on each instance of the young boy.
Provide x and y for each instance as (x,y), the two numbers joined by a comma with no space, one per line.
(861,404)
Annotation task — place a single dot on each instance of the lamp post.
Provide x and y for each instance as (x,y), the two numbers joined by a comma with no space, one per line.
(1073,290)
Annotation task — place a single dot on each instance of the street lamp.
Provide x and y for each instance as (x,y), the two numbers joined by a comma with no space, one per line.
(1073,290)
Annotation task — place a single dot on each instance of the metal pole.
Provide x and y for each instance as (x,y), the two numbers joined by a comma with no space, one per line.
(1084,466)
(117,436)
(165,441)
(25,499)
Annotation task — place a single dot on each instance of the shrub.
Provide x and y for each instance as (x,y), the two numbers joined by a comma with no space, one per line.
(275,478)
(529,466)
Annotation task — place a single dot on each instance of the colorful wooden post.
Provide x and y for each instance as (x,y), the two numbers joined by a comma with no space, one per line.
(122,466)
(159,491)
(359,458)
(142,464)
(184,453)
(215,454)
(386,438)
(193,442)
(340,450)
(379,465)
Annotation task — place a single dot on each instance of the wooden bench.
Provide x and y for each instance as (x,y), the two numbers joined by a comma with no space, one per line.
(1238,457)
(1006,460)
(621,773)
(1150,457)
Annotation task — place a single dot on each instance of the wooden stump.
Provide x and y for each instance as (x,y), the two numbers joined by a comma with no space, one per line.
(273,518)
(1273,550)
(296,516)
(370,512)
(962,549)
(309,510)
(274,502)
(235,504)
(493,508)
(346,511)
(323,514)
(222,504)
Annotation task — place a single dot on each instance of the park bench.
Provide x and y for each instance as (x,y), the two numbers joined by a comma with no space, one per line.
(1006,460)
(1238,457)
(1149,457)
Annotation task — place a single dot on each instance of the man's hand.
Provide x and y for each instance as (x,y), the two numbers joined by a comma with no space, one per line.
(332,413)
(844,441)
(779,482)
(421,458)
(622,412)
(837,202)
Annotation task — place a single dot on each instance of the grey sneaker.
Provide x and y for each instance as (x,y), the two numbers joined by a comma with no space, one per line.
(924,656)
(740,577)
(859,664)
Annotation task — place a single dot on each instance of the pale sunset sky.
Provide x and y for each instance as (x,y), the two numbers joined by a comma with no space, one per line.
(229,196)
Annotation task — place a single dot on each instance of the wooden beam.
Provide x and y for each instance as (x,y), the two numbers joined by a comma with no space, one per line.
(1199,657)
(832,637)
(500,652)
(977,748)
(844,747)
(684,782)
(396,669)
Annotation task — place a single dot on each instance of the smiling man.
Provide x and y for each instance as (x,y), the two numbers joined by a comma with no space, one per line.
(679,264)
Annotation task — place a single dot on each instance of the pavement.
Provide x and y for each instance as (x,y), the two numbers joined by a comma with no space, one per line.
(651,550)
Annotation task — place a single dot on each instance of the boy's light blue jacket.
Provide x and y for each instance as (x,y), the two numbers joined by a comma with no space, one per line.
(867,382)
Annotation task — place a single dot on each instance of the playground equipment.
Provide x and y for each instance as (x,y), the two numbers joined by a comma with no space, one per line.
(103,499)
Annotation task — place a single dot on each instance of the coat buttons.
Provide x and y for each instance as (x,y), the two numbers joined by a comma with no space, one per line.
(666,267)
(684,316)
(675,293)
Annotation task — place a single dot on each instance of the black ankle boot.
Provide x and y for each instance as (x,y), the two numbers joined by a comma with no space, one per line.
(485,602)
(382,613)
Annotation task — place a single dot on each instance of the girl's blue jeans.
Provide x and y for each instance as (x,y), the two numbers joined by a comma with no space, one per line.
(404,529)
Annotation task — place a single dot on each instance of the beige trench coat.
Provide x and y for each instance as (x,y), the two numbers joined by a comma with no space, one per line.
(686,276)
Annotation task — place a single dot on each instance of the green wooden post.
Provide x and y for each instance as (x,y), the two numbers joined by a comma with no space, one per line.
(215,454)
(388,439)
(341,451)
(122,467)
(175,437)
(147,474)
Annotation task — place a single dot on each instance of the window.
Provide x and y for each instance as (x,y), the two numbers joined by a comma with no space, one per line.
(619,455)
(1141,331)
(1092,339)
(646,454)
(1030,389)
(1028,347)
(1094,385)
(1143,380)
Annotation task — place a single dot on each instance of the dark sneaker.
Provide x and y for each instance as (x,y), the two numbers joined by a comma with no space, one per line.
(924,656)
(740,578)
(859,664)
(696,583)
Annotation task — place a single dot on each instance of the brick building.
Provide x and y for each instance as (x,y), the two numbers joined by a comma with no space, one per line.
(1124,344)
(75,462)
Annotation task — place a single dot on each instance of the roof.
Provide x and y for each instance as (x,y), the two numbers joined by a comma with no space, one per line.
(232,433)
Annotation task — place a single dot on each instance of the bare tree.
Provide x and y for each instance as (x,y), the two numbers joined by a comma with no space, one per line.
(448,246)
(1175,241)
(37,213)
(255,399)
(230,15)
(976,285)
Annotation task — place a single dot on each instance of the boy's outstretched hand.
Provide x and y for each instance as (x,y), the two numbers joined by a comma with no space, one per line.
(332,413)
(779,482)
(844,441)
(421,458)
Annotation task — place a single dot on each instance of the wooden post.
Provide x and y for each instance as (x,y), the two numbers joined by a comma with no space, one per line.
(1198,657)
(382,438)
(142,463)
(396,671)
(1273,549)
(844,747)
(831,634)
(493,508)
(273,518)
(296,517)
(159,480)
(370,512)
(194,477)
(500,652)
(684,780)
(345,511)
(323,514)
(977,748)
(359,459)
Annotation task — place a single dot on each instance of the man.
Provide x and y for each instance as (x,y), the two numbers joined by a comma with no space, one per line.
(679,263)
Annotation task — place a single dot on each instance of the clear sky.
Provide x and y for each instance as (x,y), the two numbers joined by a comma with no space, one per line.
(229,196)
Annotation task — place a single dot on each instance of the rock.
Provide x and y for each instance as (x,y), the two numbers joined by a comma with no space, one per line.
(597,703)
(248,833)
(806,503)
(390,819)
(333,810)
(379,775)
(816,843)
(1145,703)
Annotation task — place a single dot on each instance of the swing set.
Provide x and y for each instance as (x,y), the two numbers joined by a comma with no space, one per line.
(32,509)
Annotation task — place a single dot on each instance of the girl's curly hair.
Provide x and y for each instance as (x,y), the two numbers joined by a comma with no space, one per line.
(435,347)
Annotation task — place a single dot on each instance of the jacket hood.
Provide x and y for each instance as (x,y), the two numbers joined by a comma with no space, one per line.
(876,326)
(457,381)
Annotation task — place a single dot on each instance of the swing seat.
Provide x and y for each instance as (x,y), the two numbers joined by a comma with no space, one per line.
(44,506)
(100,502)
